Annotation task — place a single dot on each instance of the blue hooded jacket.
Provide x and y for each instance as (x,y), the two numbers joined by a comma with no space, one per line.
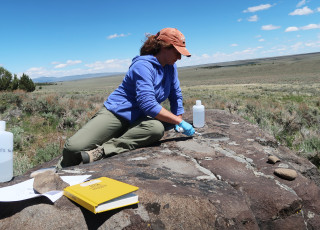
(144,87)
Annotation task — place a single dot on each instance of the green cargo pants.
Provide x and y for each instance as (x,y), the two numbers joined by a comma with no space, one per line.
(115,134)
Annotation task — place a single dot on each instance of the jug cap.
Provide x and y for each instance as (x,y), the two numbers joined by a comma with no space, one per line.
(198,102)
(2,125)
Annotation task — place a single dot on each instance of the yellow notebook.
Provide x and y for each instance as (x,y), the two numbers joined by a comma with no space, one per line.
(102,194)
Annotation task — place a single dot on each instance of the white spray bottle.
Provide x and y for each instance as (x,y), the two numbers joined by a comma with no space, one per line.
(6,153)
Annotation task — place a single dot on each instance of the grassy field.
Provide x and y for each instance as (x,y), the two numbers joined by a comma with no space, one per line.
(279,94)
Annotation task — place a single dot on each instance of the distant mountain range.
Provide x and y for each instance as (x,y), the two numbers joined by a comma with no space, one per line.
(72,78)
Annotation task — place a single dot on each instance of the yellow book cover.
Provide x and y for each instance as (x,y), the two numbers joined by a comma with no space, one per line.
(102,194)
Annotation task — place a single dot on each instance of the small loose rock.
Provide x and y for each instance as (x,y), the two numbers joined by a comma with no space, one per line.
(288,174)
(273,159)
(48,181)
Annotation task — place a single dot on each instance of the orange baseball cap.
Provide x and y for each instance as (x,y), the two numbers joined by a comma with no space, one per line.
(175,38)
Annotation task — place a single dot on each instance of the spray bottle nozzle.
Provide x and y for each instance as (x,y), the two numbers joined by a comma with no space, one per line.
(180,130)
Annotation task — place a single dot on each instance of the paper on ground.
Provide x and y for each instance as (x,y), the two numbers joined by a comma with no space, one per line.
(24,190)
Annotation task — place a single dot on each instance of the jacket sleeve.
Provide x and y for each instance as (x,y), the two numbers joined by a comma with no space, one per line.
(143,75)
(175,96)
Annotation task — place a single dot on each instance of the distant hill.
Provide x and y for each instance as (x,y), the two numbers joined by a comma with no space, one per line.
(73,77)
(186,69)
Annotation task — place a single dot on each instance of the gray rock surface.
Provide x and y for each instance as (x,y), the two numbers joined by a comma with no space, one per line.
(219,180)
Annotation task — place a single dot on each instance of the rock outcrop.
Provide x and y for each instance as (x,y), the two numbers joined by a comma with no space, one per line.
(219,180)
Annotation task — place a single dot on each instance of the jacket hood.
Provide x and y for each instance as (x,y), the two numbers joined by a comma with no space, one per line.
(150,58)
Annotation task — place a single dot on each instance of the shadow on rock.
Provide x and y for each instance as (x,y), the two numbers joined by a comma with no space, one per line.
(175,139)
(8,209)
(94,221)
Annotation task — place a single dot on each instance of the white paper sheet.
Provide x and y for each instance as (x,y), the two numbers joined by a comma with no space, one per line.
(24,190)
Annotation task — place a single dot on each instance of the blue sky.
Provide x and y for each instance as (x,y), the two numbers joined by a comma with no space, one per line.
(68,37)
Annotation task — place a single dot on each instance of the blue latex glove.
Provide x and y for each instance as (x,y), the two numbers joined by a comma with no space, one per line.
(188,129)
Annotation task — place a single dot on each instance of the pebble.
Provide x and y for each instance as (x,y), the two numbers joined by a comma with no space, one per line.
(273,159)
(288,174)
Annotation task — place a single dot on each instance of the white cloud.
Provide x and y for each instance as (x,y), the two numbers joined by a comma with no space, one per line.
(248,53)
(313,44)
(261,40)
(307,27)
(36,69)
(301,3)
(36,72)
(112,65)
(291,28)
(68,63)
(276,49)
(234,45)
(310,27)
(251,53)
(270,27)
(318,9)
(117,36)
(257,8)
(297,46)
(300,45)
(239,20)
(304,11)
(60,66)
(253,18)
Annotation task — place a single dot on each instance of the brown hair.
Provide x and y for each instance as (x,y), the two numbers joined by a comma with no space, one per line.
(152,45)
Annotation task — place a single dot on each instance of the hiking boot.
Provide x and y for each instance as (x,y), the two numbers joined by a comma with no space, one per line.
(92,155)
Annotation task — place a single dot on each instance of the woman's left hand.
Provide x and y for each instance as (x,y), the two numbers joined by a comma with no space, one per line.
(187,128)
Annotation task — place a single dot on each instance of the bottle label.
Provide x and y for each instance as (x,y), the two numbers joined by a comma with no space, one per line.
(3,150)
(6,154)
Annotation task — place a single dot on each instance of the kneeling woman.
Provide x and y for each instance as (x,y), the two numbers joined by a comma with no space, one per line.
(132,116)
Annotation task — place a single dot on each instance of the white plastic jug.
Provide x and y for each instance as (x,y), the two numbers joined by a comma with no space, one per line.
(6,153)
(198,115)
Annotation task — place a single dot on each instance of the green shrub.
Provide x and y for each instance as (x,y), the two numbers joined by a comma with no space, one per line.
(3,107)
(21,164)
(51,119)
(11,98)
(68,122)
(17,138)
(311,145)
(46,154)
(29,106)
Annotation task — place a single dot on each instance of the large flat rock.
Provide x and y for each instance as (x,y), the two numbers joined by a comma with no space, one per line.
(219,180)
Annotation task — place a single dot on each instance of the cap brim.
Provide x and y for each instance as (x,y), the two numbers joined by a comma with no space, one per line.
(183,50)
